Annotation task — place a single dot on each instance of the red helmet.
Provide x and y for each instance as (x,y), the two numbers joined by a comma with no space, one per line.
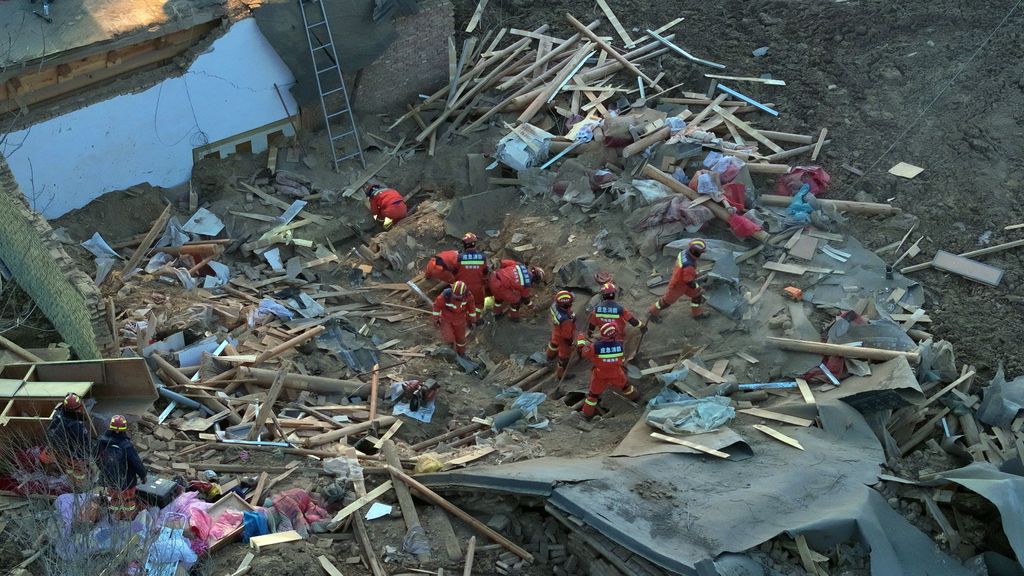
(119,423)
(372,189)
(564,298)
(609,331)
(459,290)
(697,246)
(608,290)
(603,278)
(469,239)
(72,402)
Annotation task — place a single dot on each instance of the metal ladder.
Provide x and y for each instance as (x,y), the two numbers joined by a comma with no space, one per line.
(338,117)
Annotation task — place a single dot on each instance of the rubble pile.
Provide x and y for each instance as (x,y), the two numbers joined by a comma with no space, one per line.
(289,415)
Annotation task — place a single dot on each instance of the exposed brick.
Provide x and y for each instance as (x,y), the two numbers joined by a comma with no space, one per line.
(416,62)
(46,273)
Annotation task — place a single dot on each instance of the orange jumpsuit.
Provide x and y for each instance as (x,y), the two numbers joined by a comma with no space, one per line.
(444,267)
(683,282)
(563,329)
(609,359)
(453,316)
(388,203)
(611,311)
(510,286)
(472,269)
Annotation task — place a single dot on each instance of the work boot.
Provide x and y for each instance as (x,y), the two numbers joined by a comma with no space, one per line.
(653,316)
(697,311)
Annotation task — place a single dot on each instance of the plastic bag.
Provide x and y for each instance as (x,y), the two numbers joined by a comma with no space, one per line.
(529,401)
(728,168)
(815,177)
(692,416)
(415,541)
(426,464)
(668,395)
(254,524)
(800,207)
(227,522)
(170,548)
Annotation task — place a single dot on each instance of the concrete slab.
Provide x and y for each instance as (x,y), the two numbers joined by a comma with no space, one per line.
(79,23)
(720,506)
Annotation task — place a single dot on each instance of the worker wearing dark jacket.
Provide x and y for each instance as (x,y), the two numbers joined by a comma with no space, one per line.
(69,442)
(121,469)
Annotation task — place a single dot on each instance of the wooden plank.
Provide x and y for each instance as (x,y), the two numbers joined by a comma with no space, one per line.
(753,132)
(747,357)
(805,555)
(971,254)
(688,444)
(804,248)
(147,242)
(611,51)
(467,458)
(614,20)
(703,372)
(936,513)
(244,565)
(387,435)
(467,570)
(904,170)
(268,405)
(260,542)
(439,519)
(328,567)
(931,400)
(818,144)
(359,503)
(785,418)
(769,81)
(970,269)
(475,19)
(805,391)
(720,367)
(779,436)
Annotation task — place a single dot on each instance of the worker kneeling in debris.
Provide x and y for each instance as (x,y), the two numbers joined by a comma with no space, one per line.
(454,311)
(386,204)
(511,286)
(609,359)
(563,330)
(608,310)
(443,267)
(472,269)
(69,442)
(121,469)
(683,282)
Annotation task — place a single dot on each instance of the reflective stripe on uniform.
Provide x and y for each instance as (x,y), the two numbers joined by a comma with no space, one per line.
(590,402)
(610,355)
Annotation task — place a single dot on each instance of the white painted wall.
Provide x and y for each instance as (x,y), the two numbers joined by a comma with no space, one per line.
(66,162)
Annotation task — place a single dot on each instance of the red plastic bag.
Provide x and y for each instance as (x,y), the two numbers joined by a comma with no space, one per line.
(742,227)
(736,195)
(814,176)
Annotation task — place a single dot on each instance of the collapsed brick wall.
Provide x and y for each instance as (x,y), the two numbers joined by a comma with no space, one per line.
(39,264)
(416,62)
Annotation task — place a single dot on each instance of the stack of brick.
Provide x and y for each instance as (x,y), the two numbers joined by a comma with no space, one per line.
(65,294)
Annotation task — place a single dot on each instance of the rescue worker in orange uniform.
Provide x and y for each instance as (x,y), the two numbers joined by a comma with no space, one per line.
(121,469)
(472,269)
(608,310)
(683,282)
(511,286)
(563,330)
(607,354)
(454,311)
(600,279)
(443,267)
(69,442)
(386,204)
